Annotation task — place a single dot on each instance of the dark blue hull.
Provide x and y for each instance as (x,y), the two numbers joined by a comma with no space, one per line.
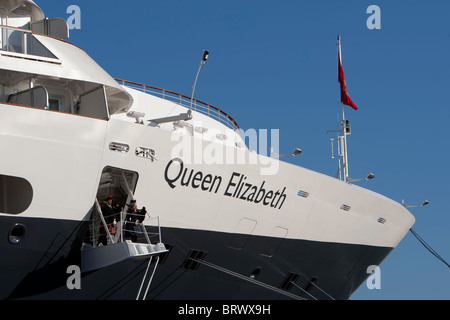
(235,267)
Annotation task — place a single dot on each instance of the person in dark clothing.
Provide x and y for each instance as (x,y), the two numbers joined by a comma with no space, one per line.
(109,214)
(133,221)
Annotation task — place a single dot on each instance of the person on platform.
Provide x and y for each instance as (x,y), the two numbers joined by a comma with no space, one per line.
(134,219)
(111,215)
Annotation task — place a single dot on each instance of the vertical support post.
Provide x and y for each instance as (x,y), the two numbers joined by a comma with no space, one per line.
(93,230)
(144,230)
(122,224)
(99,209)
(159,231)
(344,146)
(1,35)
(24,43)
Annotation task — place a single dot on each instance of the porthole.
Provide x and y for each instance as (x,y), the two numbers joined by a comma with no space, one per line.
(256,273)
(17,234)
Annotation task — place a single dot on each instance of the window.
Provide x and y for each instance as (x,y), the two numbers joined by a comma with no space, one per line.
(16,195)
(33,97)
(53,104)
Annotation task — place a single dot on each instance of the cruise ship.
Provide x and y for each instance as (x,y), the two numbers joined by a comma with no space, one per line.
(115,190)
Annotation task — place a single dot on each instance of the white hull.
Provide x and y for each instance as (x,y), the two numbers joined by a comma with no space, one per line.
(78,149)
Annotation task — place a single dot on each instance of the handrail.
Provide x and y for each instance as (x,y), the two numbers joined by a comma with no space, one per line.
(183,100)
(16,28)
(118,232)
(142,226)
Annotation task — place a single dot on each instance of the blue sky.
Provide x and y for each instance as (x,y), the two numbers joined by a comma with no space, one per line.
(273,65)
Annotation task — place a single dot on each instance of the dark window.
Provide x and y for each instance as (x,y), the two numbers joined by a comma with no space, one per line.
(53,104)
(289,281)
(16,194)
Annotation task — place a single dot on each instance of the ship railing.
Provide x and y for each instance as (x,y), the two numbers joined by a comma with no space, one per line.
(19,42)
(144,232)
(185,101)
(106,230)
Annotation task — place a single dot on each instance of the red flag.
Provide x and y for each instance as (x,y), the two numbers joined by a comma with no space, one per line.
(345,98)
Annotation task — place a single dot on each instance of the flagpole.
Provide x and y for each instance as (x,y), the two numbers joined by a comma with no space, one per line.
(343,123)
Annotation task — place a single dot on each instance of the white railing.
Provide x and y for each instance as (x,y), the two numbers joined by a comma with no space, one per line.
(185,101)
(102,230)
(142,231)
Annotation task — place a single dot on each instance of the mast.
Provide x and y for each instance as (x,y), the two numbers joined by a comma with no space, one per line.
(341,139)
(344,125)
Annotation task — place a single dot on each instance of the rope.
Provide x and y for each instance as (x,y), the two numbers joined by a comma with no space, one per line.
(240,276)
(318,288)
(264,285)
(427,246)
(303,290)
